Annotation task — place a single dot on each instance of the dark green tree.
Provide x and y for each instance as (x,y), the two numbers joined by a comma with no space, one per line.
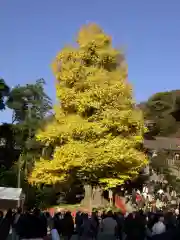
(31,106)
(4,92)
(8,153)
(29,101)
(163,108)
(31,109)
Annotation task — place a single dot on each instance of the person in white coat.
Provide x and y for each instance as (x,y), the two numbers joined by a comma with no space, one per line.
(159,227)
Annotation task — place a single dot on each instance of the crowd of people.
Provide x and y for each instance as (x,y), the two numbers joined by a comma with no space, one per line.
(97,225)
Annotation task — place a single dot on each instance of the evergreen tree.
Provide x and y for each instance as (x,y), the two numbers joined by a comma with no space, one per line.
(31,109)
(163,109)
(98,131)
(4,92)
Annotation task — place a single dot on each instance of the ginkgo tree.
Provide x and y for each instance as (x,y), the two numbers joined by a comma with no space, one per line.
(97,132)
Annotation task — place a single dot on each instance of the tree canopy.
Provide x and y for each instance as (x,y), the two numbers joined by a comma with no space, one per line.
(98,131)
(4,92)
(29,96)
(31,109)
(164,109)
(95,133)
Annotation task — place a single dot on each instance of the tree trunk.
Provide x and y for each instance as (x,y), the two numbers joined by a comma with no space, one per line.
(87,201)
(97,199)
(93,198)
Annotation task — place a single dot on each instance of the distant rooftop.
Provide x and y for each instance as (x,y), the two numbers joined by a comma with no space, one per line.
(163,143)
(10,193)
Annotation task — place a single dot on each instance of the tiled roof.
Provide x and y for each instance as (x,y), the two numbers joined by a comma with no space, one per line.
(10,193)
(160,143)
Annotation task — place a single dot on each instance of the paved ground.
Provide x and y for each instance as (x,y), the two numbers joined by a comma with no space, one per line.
(73,238)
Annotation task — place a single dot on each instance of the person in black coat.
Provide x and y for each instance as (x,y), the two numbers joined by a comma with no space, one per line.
(57,223)
(32,225)
(67,226)
(6,225)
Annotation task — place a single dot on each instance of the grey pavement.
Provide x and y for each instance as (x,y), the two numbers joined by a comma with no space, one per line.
(100,237)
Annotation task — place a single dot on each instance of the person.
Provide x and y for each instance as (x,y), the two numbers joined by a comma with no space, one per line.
(135,226)
(86,228)
(15,220)
(67,226)
(134,196)
(55,234)
(32,226)
(170,221)
(140,225)
(57,222)
(138,198)
(95,224)
(49,220)
(109,226)
(129,226)
(159,227)
(6,225)
(120,224)
(145,191)
(1,216)
(78,222)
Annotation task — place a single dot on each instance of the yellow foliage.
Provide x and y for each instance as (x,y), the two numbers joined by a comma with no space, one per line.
(97,132)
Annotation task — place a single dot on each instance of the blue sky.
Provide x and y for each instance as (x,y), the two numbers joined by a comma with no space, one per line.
(33,31)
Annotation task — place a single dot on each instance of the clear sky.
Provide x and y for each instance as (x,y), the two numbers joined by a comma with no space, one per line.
(33,31)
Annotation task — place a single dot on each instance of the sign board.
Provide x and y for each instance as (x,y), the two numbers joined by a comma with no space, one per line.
(23,196)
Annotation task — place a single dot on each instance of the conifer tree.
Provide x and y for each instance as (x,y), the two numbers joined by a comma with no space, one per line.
(97,133)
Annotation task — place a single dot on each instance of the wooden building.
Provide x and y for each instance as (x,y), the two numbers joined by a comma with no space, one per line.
(171,148)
